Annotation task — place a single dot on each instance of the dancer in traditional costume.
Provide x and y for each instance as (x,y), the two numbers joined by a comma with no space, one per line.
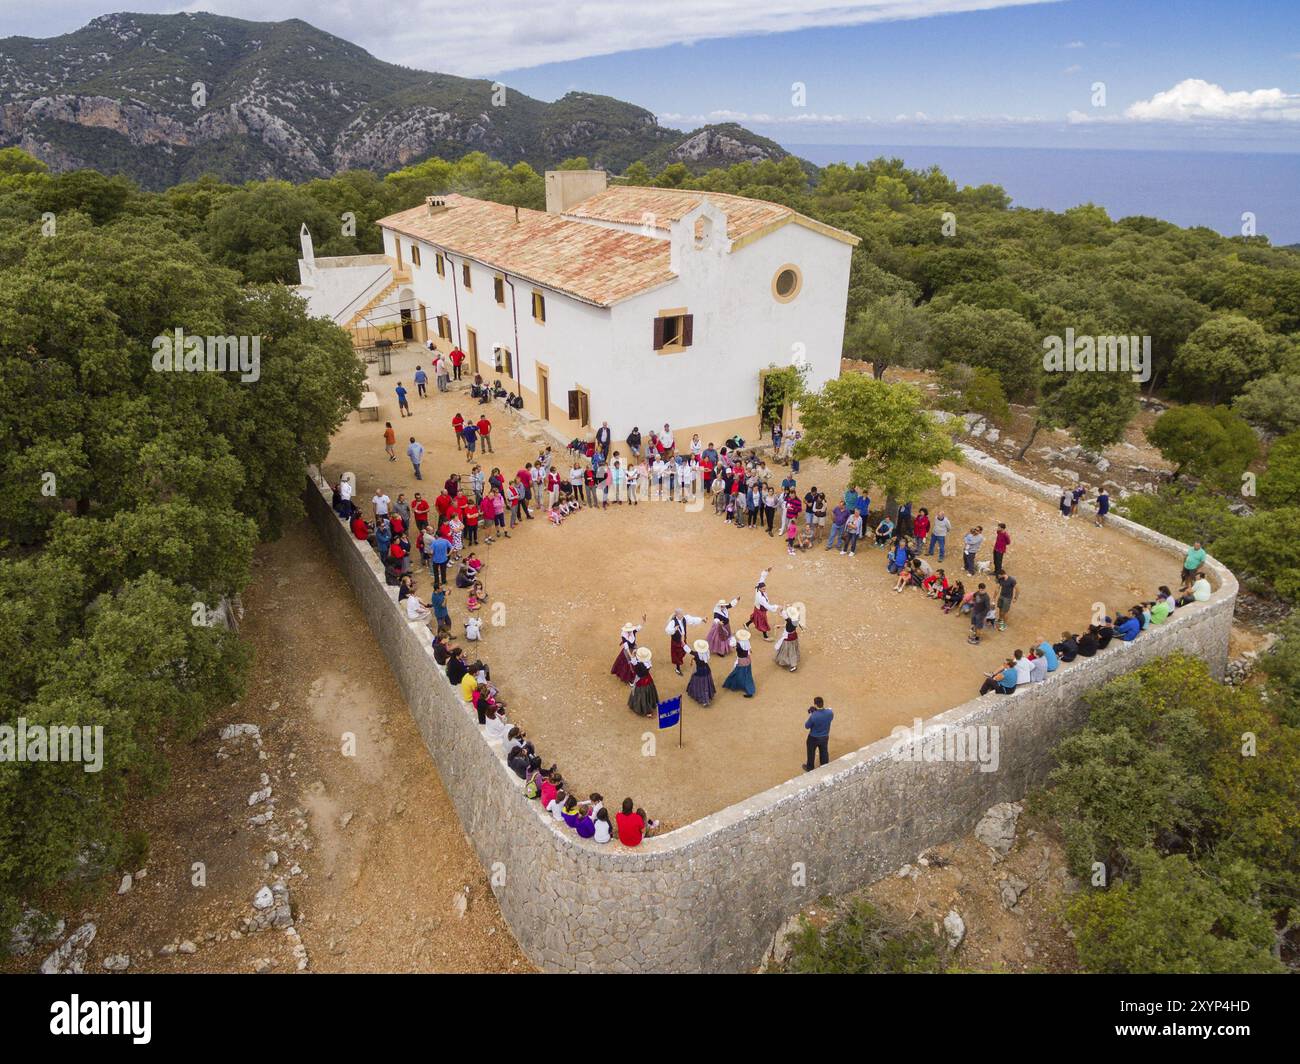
(787,647)
(676,629)
(701,687)
(761,605)
(720,633)
(622,667)
(644,699)
(741,677)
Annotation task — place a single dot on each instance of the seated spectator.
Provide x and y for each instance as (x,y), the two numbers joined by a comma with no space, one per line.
(1201,591)
(550,786)
(360,528)
(1163,606)
(556,805)
(585,826)
(496,727)
(935,585)
(570,814)
(602,829)
(884,531)
(631,825)
(416,610)
(473,629)
(1038,663)
(1131,625)
(1088,645)
(1047,652)
(1068,648)
(1024,668)
(1105,633)
(954,597)
(1003,681)
(441,649)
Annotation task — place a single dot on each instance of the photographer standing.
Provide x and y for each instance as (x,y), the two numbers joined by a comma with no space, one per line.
(819,732)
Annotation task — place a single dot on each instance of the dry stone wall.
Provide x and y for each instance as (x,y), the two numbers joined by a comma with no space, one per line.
(708,897)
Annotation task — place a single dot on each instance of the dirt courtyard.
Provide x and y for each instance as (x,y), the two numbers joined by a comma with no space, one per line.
(878,658)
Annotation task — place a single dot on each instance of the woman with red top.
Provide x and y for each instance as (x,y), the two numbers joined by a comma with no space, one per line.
(457,423)
(644,699)
(787,647)
(761,605)
(471,516)
(420,511)
(921,526)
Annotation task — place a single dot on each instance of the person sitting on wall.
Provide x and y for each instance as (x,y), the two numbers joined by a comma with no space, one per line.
(1068,648)
(1088,642)
(457,667)
(1131,625)
(1200,592)
(1105,633)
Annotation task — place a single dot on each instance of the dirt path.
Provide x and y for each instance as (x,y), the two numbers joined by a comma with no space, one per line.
(368,845)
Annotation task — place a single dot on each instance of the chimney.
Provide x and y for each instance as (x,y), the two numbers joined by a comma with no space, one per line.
(436,204)
(564,188)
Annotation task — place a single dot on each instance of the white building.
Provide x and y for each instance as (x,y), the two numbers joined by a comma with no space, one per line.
(636,306)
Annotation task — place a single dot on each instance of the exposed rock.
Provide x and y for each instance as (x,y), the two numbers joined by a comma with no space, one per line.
(117,962)
(27,933)
(264,898)
(187,947)
(1010,889)
(997,827)
(125,885)
(70,957)
(955,928)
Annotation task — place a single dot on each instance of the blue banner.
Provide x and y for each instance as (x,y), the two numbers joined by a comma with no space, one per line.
(670,712)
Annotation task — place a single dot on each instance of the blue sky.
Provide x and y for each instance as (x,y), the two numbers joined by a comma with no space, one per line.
(1176,74)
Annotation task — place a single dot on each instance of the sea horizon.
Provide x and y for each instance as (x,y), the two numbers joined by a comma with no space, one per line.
(1154,182)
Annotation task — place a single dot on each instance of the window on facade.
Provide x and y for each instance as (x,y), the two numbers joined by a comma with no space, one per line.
(673,331)
(786,283)
(539,307)
(444,327)
(499,289)
(580,407)
(441,265)
(504,363)
(464,276)
(415,255)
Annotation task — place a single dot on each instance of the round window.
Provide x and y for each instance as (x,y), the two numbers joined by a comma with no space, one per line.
(786,283)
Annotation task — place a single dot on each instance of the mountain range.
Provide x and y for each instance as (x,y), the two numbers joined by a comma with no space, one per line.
(166,98)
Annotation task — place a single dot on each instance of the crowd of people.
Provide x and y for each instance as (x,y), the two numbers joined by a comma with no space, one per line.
(481,506)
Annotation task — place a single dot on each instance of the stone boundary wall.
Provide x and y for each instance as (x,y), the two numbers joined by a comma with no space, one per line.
(709,897)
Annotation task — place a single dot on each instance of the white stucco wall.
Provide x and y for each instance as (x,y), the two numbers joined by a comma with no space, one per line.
(739,329)
(330,285)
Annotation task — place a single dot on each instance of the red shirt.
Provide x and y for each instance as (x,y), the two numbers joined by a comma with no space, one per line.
(395,551)
(471,516)
(443,503)
(1001,542)
(525,478)
(420,508)
(458,423)
(484,427)
(457,356)
(631,828)
(921,526)
(360,529)
(398,525)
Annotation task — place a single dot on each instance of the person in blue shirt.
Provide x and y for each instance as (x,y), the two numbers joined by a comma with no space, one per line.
(863,507)
(788,484)
(439,553)
(851,498)
(1129,628)
(1046,650)
(898,557)
(403,407)
(383,538)
(819,732)
(470,435)
(1103,508)
(421,379)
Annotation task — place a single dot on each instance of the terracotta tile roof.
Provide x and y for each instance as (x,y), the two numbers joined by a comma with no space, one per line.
(631,204)
(592,263)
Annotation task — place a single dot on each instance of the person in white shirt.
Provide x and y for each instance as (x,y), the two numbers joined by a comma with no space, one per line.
(1024,669)
(415,609)
(600,821)
(556,808)
(496,728)
(473,629)
(345,494)
(697,448)
(381,503)
(657,471)
(666,438)
(633,482)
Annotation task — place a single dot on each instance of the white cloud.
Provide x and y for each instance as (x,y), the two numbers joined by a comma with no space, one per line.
(1075,44)
(1195,100)
(491,36)
(1073,68)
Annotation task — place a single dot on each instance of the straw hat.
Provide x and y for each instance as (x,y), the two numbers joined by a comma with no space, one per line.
(720,602)
(794,612)
(643,655)
(629,628)
(700,646)
(742,637)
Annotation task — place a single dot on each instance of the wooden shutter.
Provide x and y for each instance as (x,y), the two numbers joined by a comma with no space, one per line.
(575,409)
(688,329)
(659,334)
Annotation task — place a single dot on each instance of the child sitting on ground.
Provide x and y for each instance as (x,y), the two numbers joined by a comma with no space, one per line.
(954,596)
(476,598)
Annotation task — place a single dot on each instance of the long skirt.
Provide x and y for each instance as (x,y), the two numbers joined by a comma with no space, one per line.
(788,655)
(741,678)
(719,639)
(622,668)
(701,686)
(677,651)
(759,620)
(644,701)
